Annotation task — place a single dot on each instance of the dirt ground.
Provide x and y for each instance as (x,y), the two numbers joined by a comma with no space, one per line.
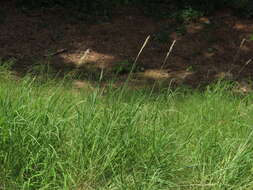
(206,49)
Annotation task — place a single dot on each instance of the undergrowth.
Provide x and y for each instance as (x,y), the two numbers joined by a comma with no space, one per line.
(55,137)
(157,8)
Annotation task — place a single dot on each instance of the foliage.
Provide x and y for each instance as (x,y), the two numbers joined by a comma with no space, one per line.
(243,7)
(155,7)
(125,67)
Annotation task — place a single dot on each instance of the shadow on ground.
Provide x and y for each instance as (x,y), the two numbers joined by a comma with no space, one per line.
(206,49)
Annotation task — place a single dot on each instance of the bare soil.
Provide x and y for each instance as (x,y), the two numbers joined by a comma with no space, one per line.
(205,49)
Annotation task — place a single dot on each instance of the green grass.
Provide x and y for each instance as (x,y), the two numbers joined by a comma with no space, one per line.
(52,137)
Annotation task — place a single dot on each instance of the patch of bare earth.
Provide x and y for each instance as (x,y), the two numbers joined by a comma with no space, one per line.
(209,47)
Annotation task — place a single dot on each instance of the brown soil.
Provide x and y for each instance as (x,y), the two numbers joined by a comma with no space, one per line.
(207,49)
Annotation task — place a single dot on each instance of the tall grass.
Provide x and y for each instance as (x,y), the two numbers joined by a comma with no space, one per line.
(52,137)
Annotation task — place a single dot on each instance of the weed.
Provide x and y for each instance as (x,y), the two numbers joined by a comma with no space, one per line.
(5,68)
(251,37)
(125,67)
(52,137)
(189,15)
(190,68)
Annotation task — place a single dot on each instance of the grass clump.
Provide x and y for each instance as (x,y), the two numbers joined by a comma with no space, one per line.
(52,137)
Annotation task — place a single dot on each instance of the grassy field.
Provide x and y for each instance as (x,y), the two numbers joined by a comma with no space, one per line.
(54,137)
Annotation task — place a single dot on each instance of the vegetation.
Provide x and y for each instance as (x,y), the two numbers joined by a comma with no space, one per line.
(55,137)
(97,7)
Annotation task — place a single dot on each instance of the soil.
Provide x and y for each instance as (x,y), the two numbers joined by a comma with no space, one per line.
(206,49)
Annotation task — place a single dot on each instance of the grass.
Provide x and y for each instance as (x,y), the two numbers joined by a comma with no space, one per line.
(52,137)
